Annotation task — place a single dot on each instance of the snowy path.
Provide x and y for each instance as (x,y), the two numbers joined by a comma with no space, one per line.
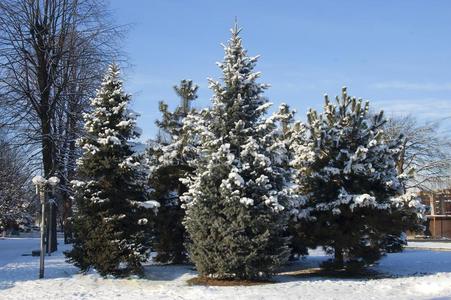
(424,274)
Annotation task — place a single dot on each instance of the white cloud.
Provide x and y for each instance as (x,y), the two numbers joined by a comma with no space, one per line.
(421,108)
(414,86)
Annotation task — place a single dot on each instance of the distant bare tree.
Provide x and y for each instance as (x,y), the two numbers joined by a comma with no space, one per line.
(16,197)
(426,151)
(52,55)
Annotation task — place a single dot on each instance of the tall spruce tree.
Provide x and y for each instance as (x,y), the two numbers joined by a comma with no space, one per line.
(113,218)
(236,204)
(169,158)
(355,202)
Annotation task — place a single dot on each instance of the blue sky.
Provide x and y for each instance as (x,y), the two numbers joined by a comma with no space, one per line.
(397,54)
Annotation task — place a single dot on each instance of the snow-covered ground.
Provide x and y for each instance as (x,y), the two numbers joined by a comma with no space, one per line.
(445,246)
(413,274)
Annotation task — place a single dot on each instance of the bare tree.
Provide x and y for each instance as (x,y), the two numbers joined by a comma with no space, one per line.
(52,53)
(16,197)
(426,151)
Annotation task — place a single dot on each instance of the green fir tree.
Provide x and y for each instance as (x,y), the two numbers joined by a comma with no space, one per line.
(236,205)
(113,218)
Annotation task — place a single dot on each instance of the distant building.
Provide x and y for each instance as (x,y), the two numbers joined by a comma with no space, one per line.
(439,215)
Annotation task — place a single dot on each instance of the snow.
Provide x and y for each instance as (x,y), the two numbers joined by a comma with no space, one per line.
(142,221)
(413,274)
(123,123)
(264,106)
(446,246)
(109,139)
(247,201)
(130,162)
(77,183)
(236,178)
(151,204)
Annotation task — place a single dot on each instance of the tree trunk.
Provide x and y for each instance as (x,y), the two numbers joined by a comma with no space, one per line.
(401,158)
(338,257)
(48,166)
(67,222)
(70,167)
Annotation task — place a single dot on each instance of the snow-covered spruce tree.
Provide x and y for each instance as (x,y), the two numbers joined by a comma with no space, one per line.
(169,158)
(236,216)
(356,206)
(114,216)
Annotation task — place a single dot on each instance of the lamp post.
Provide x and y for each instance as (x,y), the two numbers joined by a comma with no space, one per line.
(53,182)
(41,185)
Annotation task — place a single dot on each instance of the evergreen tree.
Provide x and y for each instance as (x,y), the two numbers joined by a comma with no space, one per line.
(355,202)
(170,156)
(113,218)
(285,116)
(171,123)
(290,133)
(236,203)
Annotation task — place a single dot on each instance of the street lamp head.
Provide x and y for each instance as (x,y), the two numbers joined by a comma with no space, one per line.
(39,181)
(53,181)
